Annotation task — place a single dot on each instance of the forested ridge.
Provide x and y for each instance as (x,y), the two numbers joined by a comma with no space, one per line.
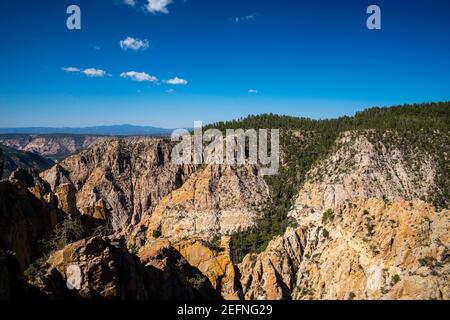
(304,141)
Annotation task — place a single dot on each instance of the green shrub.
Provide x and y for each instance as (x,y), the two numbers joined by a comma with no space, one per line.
(214,244)
(395,279)
(157,233)
(327,216)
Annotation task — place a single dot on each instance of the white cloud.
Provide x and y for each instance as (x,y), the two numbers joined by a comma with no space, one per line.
(131,3)
(92,72)
(138,76)
(177,81)
(71,69)
(155,6)
(170,90)
(252,91)
(134,44)
(250,17)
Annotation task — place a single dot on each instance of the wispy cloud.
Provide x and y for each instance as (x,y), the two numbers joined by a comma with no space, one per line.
(70,69)
(155,6)
(134,44)
(171,90)
(177,81)
(138,76)
(131,3)
(90,72)
(250,17)
(253,91)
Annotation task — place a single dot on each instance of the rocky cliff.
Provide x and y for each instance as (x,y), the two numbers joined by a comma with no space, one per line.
(368,220)
(132,181)
(121,180)
(357,235)
(359,167)
(52,146)
(26,214)
(101,268)
(26,217)
(363,250)
(215,200)
(14,159)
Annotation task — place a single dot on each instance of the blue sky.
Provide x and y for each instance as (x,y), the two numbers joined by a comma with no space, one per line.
(306,58)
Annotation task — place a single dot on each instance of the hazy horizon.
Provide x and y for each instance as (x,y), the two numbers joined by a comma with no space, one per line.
(206,123)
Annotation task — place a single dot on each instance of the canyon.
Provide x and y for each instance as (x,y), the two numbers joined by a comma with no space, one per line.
(365,223)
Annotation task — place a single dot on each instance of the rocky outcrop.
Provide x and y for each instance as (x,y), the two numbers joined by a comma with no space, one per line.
(126,178)
(188,270)
(357,236)
(360,167)
(24,218)
(53,146)
(272,274)
(67,200)
(56,176)
(96,268)
(375,249)
(363,250)
(100,268)
(216,200)
(29,215)
(29,178)
(214,261)
(133,181)
(13,159)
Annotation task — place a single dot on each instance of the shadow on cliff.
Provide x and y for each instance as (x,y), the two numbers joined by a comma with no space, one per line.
(29,217)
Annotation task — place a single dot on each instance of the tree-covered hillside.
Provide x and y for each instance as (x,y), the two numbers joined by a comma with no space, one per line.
(305,141)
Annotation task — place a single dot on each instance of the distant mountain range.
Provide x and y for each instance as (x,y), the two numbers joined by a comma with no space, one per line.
(114,130)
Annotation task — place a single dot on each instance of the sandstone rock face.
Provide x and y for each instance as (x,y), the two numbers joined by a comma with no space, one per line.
(170,276)
(97,269)
(29,213)
(357,236)
(100,268)
(214,263)
(272,274)
(24,219)
(377,249)
(56,176)
(361,168)
(362,250)
(190,269)
(126,177)
(29,178)
(133,180)
(217,200)
(67,200)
